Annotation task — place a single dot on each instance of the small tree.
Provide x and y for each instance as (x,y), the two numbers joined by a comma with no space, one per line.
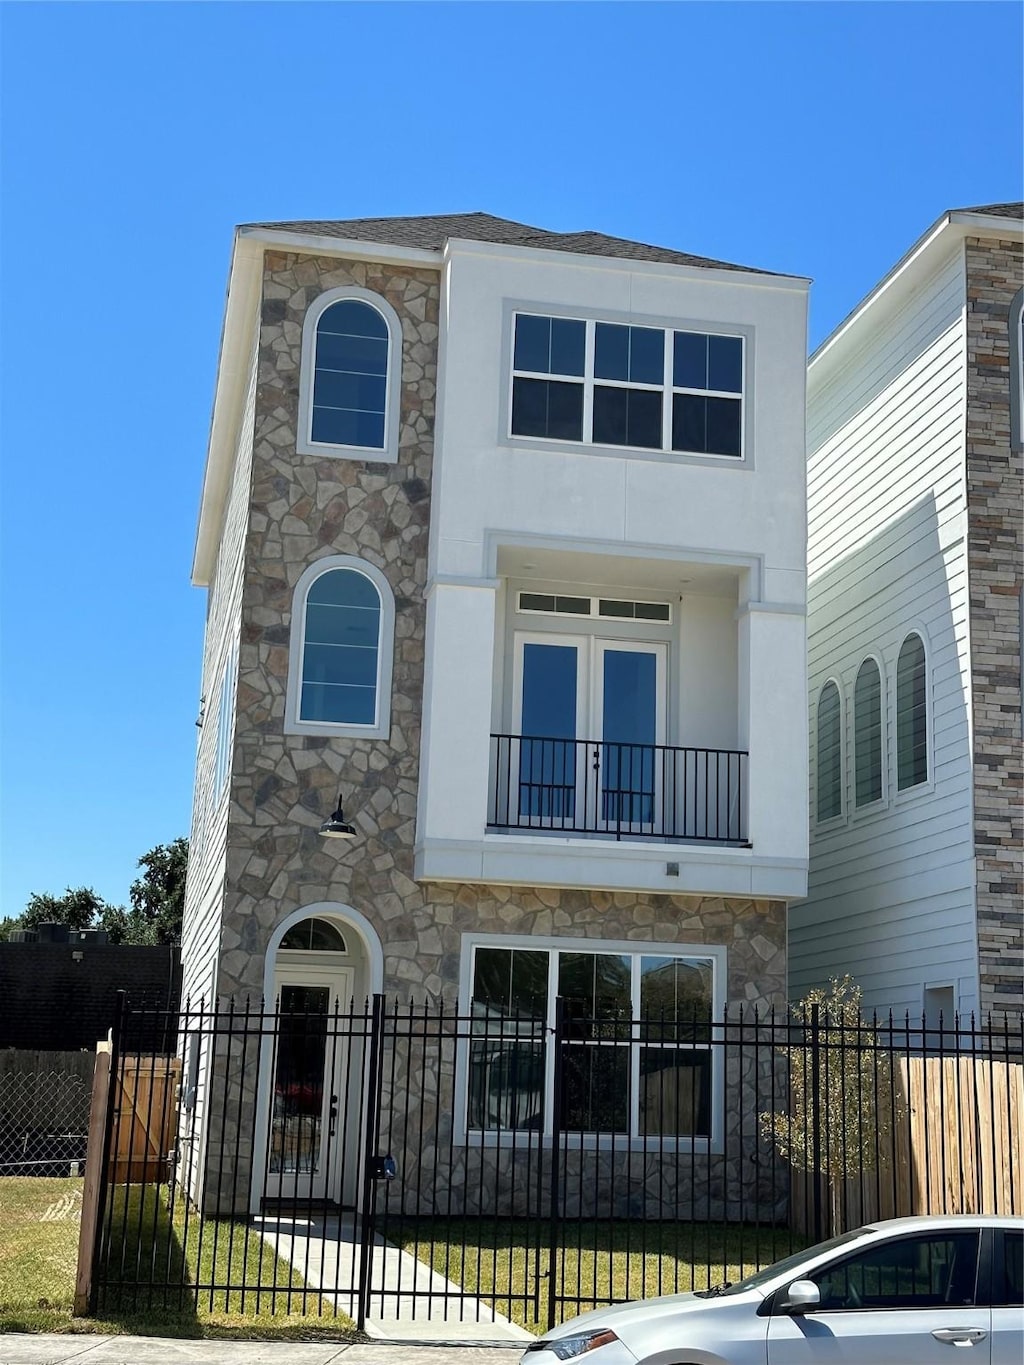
(844,1104)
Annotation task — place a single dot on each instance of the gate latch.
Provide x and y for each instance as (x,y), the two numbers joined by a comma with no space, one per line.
(383,1167)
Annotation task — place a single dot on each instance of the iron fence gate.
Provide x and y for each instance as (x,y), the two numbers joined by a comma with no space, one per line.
(394,1162)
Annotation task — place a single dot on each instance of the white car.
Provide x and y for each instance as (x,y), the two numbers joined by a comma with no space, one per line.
(910,1291)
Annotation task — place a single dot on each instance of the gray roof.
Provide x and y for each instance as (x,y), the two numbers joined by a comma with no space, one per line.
(996,210)
(431,233)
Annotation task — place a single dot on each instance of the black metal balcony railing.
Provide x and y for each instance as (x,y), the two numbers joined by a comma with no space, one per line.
(619,790)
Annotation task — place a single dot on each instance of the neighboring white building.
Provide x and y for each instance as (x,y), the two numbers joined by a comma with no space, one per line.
(504,534)
(914,566)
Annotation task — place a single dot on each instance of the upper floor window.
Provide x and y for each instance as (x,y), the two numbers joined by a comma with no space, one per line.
(645,388)
(911,715)
(830,753)
(351,370)
(867,734)
(343,620)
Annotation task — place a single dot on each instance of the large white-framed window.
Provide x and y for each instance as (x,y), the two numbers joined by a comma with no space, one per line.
(666,389)
(350,377)
(911,714)
(341,650)
(867,735)
(636,1064)
(829,753)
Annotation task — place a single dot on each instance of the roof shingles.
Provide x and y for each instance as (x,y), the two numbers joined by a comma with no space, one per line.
(430,233)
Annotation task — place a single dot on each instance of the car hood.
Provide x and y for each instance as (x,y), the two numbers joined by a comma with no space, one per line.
(621,1314)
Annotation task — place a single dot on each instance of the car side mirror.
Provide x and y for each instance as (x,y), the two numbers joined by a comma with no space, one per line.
(800,1297)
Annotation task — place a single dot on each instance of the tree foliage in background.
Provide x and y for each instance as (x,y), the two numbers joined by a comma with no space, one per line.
(857,1106)
(157,902)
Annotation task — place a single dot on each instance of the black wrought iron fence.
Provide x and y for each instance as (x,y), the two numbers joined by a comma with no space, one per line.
(397,1162)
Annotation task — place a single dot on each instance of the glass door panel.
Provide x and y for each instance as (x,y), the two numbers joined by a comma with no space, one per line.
(297,1120)
(549,695)
(630,708)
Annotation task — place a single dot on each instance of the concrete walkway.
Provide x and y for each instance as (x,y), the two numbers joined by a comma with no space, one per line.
(17,1349)
(408,1300)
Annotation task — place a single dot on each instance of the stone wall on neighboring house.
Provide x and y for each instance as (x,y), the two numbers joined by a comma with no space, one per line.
(995,498)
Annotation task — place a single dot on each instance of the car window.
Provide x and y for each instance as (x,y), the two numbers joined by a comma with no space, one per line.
(926,1271)
(1011,1291)
(796,1262)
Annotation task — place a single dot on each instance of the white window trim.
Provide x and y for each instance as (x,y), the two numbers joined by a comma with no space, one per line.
(831,821)
(882,801)
(618,1142)
(304,444)
(588,380)
(919,788)
(381,728)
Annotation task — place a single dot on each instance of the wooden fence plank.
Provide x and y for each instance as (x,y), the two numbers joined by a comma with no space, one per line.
(93,1171)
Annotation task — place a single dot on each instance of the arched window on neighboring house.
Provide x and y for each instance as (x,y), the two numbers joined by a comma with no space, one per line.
(342,644)
(830,753)
(1016,326)
(911,714)
(350,377)
(867,734)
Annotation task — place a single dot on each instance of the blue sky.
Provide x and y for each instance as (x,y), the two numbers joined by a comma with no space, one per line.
(819,139)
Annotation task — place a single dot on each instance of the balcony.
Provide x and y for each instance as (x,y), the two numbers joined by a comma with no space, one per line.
(654,793)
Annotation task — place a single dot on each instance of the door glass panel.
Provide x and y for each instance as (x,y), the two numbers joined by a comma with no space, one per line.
(299,1080)
(547,756)
(629,732)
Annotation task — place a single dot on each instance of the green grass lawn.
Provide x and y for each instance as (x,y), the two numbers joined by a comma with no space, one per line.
(39,1220)
(506,1263)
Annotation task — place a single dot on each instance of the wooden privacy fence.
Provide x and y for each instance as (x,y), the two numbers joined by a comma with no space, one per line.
(139,1149)
(953,1143)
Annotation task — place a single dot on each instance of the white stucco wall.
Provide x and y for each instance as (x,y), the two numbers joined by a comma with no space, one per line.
(746,518)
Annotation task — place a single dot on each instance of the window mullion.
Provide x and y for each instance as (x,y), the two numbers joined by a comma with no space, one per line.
(588,383)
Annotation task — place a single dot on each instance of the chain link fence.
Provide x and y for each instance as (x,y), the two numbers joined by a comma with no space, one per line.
(44,1112)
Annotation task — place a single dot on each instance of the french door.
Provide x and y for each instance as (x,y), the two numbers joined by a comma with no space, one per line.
(589,714)
(306,1130)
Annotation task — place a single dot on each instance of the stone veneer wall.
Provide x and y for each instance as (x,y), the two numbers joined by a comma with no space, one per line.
(995,500)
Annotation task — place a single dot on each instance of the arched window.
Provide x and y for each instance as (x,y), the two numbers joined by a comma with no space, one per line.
(313,935)
(349,384)
(1016,325)
(911,715)
(830,753)
(867,734)
(342,642)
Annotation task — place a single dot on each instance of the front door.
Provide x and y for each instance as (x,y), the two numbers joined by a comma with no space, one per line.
(309,1083)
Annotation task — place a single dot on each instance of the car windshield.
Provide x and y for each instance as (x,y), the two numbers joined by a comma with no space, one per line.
(794,1262)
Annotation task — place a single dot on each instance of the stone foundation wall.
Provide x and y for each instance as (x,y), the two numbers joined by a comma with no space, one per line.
(995,503)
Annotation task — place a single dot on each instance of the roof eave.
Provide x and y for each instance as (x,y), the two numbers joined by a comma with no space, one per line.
(352,248)
(594,261)
(952,226)
(241,310)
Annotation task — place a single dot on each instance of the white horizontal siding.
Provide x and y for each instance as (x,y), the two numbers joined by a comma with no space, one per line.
(890,895)
(204,894)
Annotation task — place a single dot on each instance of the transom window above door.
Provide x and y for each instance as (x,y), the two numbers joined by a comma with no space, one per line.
(615,384)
